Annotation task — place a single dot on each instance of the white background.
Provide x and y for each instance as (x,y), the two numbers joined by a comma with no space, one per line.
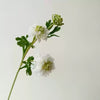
(76,52)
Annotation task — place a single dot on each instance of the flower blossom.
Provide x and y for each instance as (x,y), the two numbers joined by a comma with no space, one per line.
(45,65)
(40,32)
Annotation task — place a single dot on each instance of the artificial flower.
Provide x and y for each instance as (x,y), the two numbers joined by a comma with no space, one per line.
(57,20)
(40,32)
(45,65)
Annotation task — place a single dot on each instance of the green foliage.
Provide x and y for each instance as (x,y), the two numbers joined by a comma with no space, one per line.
(53,26)
(57,22)
(27,65)
(49,36)
(49,24)
(29,71)
(56,29)
(30,59)
(23,42)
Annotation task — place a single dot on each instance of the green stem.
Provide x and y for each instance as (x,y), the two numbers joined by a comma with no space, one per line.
(22,67)
(34,40)
(13,84)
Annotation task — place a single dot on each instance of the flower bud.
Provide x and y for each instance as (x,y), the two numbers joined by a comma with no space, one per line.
(57,20)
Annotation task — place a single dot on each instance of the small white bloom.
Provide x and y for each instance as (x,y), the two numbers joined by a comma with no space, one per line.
(39,31)
(45,65)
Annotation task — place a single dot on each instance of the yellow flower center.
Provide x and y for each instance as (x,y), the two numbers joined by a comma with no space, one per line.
(47,66)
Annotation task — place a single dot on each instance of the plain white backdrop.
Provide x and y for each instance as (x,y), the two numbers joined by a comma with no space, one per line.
(76,52)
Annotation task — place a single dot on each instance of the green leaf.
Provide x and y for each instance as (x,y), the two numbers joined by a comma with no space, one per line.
(51,35)
(27,65)
(23,42)
(49,24)
(18,38)
(24,62)
(30,59)
(29,71)
(56,29)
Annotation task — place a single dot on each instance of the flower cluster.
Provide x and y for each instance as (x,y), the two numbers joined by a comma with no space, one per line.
(46,64)
(43,33)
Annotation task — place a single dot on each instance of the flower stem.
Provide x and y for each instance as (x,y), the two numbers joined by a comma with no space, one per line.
(34,40)
(13,84)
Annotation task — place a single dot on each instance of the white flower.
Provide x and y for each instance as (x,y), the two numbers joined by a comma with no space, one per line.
(45,65)
(40,32)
